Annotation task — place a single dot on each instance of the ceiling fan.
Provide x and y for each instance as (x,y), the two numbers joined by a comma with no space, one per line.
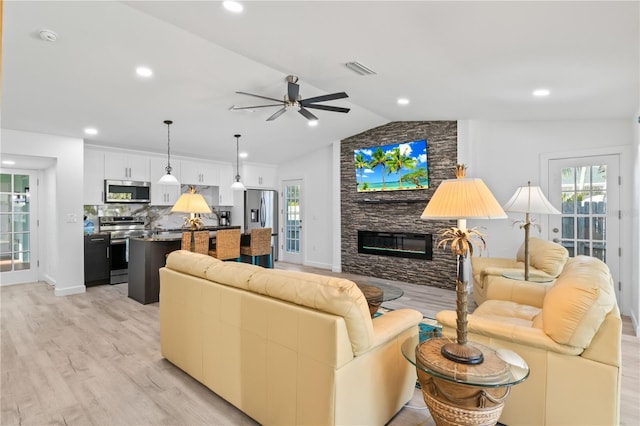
(293,99)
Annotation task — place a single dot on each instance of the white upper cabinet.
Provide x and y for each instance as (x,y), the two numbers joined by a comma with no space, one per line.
(164,195)
(259,175)
(225,193)
(199,173)
(122,166)
(93,177)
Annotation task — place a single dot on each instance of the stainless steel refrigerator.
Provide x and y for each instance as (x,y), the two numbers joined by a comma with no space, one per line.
(261,211)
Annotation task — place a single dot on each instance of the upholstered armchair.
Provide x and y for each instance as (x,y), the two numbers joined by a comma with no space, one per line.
(571,339)
(546,260)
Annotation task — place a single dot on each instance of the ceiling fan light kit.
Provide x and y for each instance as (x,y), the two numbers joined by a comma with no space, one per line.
(293,99)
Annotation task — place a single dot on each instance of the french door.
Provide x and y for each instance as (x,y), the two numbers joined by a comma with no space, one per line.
(588,190)
(18,198)
(292,230)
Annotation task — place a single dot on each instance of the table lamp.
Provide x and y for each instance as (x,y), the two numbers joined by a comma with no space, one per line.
(529,199)
(191,203)
(461,199)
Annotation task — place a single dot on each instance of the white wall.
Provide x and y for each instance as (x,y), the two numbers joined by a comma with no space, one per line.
(635,233)
(316,171)
(62,256)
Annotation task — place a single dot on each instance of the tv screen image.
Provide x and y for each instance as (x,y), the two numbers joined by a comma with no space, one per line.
(394,167)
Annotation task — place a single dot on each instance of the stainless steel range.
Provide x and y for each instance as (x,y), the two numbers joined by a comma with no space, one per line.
(121,228)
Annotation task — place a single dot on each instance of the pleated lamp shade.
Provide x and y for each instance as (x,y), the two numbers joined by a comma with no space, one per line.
(466,198)
(191,202)
(530,199)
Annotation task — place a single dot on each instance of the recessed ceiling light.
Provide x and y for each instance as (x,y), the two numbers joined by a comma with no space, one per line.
(243,155)
(8,162)
(541,92)
(233,6)
(403,101)
(144,72)
(312,123)
(91,131)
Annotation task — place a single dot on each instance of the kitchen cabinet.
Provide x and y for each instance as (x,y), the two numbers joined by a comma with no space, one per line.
(225,193)
(93,177)
(259,175)
(163,195)
(123,166)
(97,266)
(199,173)
(146,257)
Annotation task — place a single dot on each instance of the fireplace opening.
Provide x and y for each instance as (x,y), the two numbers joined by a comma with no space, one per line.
(398,244)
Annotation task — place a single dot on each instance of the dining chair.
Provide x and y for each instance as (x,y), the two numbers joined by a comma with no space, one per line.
(260,245)
(200,240)
(227,245)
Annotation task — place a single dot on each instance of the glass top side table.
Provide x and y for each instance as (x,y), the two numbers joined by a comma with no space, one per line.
(457,393)
(519,275)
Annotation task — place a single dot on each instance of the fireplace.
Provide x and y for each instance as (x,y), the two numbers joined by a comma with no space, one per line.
(398,244)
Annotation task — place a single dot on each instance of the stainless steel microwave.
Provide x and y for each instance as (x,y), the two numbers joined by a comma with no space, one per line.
(127,191)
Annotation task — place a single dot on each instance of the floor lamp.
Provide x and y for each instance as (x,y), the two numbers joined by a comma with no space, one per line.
(529,199)
(461,199)
(191,203)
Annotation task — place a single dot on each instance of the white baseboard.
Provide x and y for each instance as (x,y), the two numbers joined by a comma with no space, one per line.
(319,265)
(634,324)
(336,268)
(70,290)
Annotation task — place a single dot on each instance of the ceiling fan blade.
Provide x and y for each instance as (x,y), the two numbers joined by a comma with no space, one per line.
(327,108)
(293,89)
(260,96)
(307,114)
(329,97)
(233,108)
(277,114)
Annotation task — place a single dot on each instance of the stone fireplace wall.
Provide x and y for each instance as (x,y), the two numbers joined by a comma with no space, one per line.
(398,211)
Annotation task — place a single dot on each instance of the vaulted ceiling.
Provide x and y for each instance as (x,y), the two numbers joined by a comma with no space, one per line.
(452,60)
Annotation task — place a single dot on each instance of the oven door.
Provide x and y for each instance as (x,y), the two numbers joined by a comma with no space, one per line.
(119,260)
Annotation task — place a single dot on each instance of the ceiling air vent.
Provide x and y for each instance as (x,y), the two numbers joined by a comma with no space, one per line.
(358,68)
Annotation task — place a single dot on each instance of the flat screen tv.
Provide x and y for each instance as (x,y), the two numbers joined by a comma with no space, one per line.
(394,167)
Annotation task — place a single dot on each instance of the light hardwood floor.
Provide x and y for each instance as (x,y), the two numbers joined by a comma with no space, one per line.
(94,359)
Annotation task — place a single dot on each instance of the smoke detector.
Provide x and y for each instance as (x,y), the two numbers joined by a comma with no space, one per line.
(48,35)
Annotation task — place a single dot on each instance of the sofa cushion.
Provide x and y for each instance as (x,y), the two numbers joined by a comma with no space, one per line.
(191,263)
(577,304)
(545,255)
(336,296)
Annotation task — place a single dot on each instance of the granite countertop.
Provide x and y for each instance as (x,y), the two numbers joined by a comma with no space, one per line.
(176,234)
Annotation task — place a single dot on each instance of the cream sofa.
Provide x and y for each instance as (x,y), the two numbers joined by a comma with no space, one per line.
(570,338)
(546,260)
(285,347)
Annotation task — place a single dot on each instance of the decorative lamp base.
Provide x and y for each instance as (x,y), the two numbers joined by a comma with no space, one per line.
(463,354)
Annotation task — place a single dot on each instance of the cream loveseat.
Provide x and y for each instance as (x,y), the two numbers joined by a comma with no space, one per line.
(546,260)
(285,347)
(570,338)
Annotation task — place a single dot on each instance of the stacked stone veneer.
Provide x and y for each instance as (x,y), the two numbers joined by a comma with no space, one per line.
(398,211)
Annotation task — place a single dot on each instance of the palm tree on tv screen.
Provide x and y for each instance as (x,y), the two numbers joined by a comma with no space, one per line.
(399,160)
(417,177)
(360,164)
(379,158)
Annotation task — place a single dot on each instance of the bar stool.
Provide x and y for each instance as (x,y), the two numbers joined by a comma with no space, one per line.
(200,241)
(260,245)
(227,245)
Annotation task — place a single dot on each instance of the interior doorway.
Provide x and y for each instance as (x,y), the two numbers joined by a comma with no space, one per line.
(292,230)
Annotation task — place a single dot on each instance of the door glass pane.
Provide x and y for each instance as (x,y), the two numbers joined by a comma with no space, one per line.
(5,182)
(292,219)
(15,232)
(584,207)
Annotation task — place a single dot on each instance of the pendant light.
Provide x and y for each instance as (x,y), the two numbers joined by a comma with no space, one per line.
(168,179)
(237,185)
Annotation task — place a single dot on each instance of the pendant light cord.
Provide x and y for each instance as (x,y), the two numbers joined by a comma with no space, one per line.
(237,157)
(168,168)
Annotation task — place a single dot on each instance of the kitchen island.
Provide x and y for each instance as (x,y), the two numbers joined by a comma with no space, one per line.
(148,254)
